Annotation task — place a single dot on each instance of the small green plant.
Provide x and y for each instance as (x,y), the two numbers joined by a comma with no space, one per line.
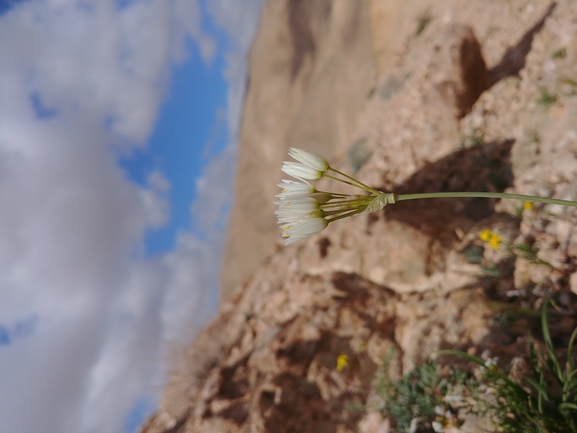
(568,81)
(475,138)
(546,98)
(545,401)
(530,253)
(425,399)
(474,254)
(491,270)
(561,53)
(422,22)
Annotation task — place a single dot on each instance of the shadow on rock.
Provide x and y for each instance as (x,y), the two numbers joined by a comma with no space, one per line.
(483,168)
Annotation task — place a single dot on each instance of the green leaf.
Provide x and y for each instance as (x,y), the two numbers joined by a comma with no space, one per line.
(557,372)
(570,349)
(463,355)
(568,405)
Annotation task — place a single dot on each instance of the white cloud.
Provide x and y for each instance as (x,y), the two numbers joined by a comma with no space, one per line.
(189,16)
(214,194)
(72,225)
(155,199)
(240,20)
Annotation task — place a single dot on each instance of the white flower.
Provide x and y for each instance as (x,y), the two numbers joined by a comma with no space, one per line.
(303,210)
(303,229)
(310,159)
(301,171)
(437,426)
(290,188)
(491,362)
(300,217)
(297,209)
(303,201)
(294,186)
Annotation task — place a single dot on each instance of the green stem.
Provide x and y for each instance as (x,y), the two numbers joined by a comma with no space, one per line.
(331,212)
(358,183)
(335,194)
(531,198)
(357,199)
(345,215)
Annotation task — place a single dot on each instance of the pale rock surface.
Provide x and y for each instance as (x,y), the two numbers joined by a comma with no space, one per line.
(465,105)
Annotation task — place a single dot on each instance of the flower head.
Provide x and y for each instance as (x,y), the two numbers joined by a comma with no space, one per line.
(299,212)
(492,238)
(303,210)
(528,205)
(495,242)
(342,361)
(485,235)
(310,165)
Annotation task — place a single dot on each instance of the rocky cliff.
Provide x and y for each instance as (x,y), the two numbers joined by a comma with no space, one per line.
(410,97)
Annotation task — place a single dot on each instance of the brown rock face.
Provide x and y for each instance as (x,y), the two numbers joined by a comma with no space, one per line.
(480,97)
(277,371)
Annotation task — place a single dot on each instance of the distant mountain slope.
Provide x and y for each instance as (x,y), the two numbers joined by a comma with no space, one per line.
(311,69)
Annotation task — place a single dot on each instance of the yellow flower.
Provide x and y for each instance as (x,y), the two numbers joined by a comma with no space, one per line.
(528,205)
(495,241)
(492,238)
(342,361)
(485,235)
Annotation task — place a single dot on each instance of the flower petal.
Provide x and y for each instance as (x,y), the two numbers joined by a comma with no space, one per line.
(294,186)
(310,159)
(301,171)
(304,229)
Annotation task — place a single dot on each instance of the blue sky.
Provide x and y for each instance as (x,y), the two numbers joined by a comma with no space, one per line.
(118,126)
(191,128)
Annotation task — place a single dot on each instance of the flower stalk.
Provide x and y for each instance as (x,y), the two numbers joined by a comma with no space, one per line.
(525,198)
(304,210)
